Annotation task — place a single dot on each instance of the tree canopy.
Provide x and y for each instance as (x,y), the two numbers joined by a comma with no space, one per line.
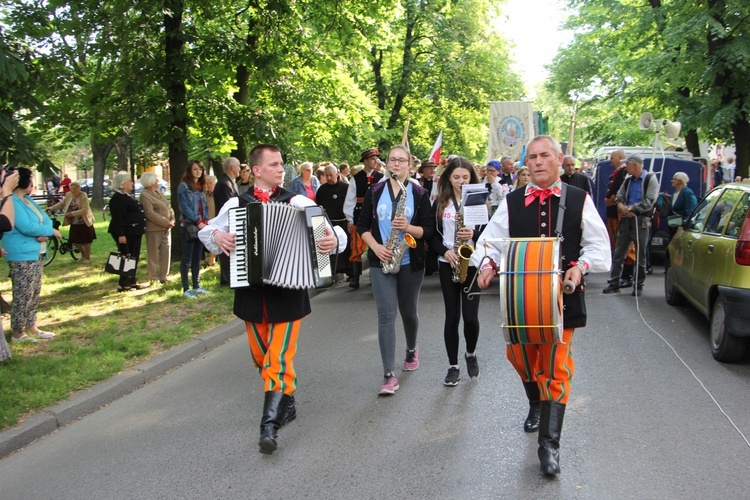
(199,78)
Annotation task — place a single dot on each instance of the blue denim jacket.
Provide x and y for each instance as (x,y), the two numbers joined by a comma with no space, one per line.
(193,207)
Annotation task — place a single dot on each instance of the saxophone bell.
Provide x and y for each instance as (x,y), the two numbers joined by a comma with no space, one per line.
(464,256)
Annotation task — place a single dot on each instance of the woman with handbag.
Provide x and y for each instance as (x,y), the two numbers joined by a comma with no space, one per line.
(193,216)
(78,215)
(25,245)
(126,226)
(159,223)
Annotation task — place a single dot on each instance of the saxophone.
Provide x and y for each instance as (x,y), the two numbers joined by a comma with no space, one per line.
(398,248)
(463,250)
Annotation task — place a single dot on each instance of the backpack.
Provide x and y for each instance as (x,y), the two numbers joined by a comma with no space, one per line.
(663,205)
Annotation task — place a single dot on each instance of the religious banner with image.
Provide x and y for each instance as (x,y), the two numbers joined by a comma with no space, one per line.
(511,127)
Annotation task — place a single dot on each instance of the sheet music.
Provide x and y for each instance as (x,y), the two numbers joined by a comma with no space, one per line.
(474,204)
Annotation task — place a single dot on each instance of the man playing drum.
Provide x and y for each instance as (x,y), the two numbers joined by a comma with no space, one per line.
(546,369)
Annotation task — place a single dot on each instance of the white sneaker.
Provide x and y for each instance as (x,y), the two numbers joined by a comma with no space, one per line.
(201,291)
(189,294)
(44,335)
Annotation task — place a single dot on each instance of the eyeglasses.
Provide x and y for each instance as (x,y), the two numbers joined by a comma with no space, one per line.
(400,161)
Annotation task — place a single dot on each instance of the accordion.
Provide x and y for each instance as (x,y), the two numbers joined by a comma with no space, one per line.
(275,245)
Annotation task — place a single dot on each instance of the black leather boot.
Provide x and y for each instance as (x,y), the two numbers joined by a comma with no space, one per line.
(274,408)
(550,427)
(532,420)
(291,411)
(356,272)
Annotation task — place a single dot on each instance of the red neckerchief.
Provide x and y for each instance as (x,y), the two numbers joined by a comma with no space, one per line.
(533,192)
(263,196)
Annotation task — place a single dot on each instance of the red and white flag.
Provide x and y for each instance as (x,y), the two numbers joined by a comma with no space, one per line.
(435,153)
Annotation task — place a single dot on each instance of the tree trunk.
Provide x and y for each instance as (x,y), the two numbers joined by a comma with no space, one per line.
(716,45)
(100,151)
(741,131)
(242,97)
(122,150)
(174,84)
(402,88)
(692,142)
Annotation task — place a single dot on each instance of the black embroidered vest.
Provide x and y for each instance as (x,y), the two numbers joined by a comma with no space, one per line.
(540,219)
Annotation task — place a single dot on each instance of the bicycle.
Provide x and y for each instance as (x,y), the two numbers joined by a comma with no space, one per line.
(63,245)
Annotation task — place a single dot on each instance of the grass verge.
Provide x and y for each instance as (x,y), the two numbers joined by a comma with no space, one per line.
(100,332)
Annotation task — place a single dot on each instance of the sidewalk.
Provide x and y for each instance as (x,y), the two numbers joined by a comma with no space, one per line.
(89,400)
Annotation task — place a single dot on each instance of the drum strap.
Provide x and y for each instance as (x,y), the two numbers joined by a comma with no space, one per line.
(561,211)
(560,216)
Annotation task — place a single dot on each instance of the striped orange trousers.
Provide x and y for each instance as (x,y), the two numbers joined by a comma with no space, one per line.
(357,245)
(551,366)
(273,346)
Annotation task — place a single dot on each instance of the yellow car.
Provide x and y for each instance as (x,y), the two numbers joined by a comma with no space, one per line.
(708,263)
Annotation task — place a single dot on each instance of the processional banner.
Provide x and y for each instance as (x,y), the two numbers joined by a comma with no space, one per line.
(511,127)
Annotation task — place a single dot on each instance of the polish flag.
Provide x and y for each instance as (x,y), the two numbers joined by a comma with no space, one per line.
(435,153)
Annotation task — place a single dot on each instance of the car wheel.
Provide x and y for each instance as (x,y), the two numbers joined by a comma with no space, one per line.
(724,346)
(674,298)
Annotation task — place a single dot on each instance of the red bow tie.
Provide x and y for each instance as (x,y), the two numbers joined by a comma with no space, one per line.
(534,192)
(261,195)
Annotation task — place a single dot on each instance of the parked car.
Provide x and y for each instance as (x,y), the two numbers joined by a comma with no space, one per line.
(163,187)
(88,184)
(708,264)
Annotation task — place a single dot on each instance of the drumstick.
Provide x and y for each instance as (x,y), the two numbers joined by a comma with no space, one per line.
(568,287)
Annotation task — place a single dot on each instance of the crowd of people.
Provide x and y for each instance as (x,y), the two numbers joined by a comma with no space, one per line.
(403,215)
(399,214)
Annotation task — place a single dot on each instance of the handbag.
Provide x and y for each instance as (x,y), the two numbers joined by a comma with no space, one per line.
(191,231)
(121,265)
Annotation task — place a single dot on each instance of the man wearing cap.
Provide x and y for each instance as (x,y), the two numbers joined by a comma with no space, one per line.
(635,204)
(427,178)
(572,177)
(355,195)
(497,190)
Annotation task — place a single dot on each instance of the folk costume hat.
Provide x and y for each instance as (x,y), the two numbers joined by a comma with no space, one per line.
(369,154)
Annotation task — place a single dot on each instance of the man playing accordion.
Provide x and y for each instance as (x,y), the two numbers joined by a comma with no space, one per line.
(272,314)
(546,369)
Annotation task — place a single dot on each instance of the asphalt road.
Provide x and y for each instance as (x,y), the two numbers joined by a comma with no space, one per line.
(638,425)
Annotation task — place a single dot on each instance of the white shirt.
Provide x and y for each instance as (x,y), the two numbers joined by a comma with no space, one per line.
(728,174)
(221,223)
(595,246)
(449,230)
(351,198)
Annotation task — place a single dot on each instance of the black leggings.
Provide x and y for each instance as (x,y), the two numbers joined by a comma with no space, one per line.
(457,302)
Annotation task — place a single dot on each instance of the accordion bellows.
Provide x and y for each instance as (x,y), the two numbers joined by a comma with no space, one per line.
(275,245)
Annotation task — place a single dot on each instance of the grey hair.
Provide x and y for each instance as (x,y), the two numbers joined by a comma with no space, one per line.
(306,165)
(119,180)
(148,179)
(211,178)
(76,184)
(230,162)
(682,177)
(552,140)
(331,166)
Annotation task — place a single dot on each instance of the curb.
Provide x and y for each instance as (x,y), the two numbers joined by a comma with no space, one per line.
(89,400)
